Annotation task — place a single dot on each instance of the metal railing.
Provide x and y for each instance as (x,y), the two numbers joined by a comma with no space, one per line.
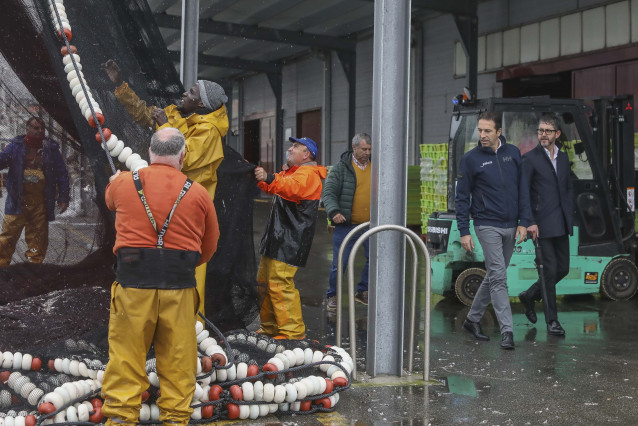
(412,237)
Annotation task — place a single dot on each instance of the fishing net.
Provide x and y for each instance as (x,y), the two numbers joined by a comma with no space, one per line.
(37,81)
(56,313)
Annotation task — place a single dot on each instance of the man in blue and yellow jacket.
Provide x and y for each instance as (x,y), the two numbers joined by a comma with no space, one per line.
(491,187)
(286,242)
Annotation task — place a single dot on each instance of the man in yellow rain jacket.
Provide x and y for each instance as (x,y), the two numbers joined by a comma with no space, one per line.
(200,115)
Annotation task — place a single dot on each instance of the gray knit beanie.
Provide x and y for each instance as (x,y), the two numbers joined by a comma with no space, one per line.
(211,94)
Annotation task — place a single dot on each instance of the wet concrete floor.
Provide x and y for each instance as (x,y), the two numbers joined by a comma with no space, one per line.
(590,376)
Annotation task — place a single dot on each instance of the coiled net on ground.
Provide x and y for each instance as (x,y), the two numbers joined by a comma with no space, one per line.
(81,239)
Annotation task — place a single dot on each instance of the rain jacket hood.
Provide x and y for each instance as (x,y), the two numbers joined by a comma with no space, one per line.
(291,225)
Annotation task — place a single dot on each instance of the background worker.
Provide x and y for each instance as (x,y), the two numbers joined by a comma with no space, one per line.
(492,188)
(287,238)
(36,179)
(200,115)
(346,197)
(547,172)
(154,299)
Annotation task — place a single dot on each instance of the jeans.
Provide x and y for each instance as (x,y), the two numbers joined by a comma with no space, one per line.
(340,233)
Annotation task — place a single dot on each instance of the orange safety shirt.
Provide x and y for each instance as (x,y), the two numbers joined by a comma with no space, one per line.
(193,226)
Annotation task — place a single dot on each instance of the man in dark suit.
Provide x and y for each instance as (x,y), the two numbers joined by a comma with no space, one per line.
(551,195)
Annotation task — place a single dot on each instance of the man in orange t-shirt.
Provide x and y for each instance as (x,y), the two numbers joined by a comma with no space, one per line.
(166,225)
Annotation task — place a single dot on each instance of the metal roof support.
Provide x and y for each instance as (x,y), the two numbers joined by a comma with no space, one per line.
(419,78)
(190,34)
(467,25)
(259,33)
(275,80)
(326,111)
(236,63)
(390,100)
(349,63)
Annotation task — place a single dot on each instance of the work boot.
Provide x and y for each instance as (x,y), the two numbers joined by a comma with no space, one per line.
(528,303)
(508,340)
(361,297)
(475,329)
(554,328)
(331,304)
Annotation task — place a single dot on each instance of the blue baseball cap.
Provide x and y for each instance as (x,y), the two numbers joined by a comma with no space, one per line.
(308,143)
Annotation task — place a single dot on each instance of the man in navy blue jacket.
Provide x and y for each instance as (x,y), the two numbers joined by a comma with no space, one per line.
(37,178)
(491,187)
(547,172)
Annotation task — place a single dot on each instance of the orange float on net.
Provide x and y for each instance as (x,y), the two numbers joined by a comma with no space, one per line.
(4,376)
(253,370)
(305,405)
(67,33)
(96,403)
(233,411)
(65,51)
(329,386)
(29,420)
(36,364)
(340,381)
(207,364)
(51,364)
(46,408)
(100,118)
(207,411)
(96,416)
(145,395)
(220,358)
(270,367)
(236,393)
(214,392)
(107,134)
(324,401)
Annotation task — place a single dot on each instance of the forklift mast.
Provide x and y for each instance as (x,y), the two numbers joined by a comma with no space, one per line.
(613,132)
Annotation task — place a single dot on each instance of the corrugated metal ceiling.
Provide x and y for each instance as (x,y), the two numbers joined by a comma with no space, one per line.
(289,27)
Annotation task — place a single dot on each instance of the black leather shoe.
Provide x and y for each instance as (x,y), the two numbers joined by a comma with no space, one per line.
(475,329)
(554,328)
(528,302)
(508,340)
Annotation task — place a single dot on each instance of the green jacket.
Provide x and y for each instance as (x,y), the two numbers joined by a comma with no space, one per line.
(339,188)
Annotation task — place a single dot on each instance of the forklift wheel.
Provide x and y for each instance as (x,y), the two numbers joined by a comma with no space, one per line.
(467,284)
(620,279)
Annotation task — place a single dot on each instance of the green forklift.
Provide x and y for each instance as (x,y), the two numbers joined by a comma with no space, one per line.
(598,136)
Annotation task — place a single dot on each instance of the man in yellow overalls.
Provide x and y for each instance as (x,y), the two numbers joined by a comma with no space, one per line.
(201,117)
(37,178)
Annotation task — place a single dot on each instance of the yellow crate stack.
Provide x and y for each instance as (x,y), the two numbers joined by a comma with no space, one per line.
(433,181)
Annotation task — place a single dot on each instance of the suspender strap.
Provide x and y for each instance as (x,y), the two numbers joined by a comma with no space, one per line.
(140,193)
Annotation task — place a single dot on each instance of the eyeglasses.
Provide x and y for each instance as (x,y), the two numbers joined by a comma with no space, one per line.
(545,131)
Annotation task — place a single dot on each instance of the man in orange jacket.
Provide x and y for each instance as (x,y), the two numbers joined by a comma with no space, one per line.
(166,225)
(200,116)
(286,242)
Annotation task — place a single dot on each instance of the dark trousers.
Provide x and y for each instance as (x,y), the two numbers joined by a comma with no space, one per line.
(555,261)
